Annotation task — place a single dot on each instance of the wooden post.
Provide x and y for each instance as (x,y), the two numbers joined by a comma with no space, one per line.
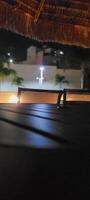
(64,97)
(19,94)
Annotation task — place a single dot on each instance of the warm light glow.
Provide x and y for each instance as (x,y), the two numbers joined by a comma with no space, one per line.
(11,60)
(13,99)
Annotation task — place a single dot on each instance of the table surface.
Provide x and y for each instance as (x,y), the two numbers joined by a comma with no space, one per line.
(44,150)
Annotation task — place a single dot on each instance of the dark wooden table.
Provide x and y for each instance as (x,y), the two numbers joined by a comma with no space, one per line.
(44,151)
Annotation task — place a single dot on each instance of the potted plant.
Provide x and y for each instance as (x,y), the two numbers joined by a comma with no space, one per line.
(5,70)
(18,81)
(60,79)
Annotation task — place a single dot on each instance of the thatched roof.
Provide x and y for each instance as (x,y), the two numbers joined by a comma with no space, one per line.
(60,21)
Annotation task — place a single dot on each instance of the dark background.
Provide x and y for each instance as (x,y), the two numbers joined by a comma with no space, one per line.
(17,46)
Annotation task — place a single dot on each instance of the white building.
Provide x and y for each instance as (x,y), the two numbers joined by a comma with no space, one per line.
(34,56)
(41,78)
(32,75)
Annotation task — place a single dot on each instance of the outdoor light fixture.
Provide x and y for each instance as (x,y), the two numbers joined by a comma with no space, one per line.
(41,78)
(61,52)
(11,60)
(13,99)
(41,68)
(41,74)
(8,54)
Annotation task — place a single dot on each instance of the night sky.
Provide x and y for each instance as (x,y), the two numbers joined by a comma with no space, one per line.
(17,46)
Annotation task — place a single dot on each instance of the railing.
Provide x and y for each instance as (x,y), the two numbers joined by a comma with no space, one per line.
(85,93)
(39,96)
(51,96)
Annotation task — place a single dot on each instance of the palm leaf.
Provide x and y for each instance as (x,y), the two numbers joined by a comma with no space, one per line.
(66,81)
(59,78)
(6,71)
(18,81)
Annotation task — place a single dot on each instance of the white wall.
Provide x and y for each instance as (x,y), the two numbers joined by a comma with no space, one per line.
(30,72)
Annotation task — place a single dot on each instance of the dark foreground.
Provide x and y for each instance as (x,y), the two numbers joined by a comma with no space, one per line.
(44,151)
